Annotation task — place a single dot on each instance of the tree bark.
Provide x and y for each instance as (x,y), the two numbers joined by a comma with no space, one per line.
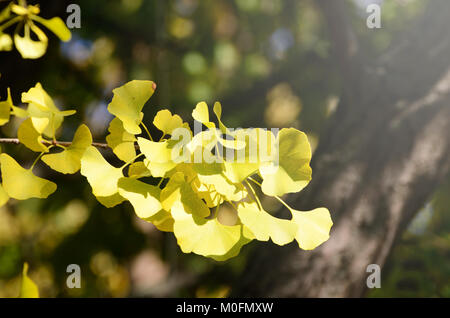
(384,152)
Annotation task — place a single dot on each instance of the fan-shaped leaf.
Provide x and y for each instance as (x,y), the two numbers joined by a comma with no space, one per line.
(69,160)
(15,177)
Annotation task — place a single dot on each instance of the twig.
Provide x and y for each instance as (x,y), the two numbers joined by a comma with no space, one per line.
(49,143)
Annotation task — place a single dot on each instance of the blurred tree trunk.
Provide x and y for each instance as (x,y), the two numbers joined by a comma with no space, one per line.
(384,152)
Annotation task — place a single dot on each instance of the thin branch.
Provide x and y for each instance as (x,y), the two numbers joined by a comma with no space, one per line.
(49,143)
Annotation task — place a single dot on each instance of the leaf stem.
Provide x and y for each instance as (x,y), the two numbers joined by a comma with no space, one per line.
(37,159)
(147,131)
(9,23)
(131,161)
(276,197)
(16,141)
(254,194)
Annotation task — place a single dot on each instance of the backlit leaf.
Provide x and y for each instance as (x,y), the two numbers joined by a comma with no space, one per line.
(29,48)
(102,176)
(313,227)
(128,102)
(292,173)
(69,160)
(265,226)
(143,197)
(28,289)
(121,141)
(56,25)
(30,137)
(201,236)
(15,178)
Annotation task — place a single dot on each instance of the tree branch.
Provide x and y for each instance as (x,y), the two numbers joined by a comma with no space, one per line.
(50,143)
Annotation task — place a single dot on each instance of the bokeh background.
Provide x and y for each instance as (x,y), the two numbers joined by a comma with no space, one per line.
(269,63)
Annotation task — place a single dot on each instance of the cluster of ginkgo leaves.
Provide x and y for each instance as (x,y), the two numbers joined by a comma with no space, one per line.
(179,196)
(24,17)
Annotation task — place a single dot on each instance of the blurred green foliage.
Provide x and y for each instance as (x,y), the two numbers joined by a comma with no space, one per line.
(267,61)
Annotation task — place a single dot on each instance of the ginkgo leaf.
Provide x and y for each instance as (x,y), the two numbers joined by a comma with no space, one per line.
(5,14)
(265,226)
(166,122)
(46,117)
(143,197)
(56,25)
(159,158)
(6,42)
(111,201)
(69,160)
(313,227)
(102,176)
(201,114)
(29,48)
(15,177)
(201,236)
(292,171)
(121,141)
(217,109)
(257,152)
(3,196)
(138,170)
(178,190)
(30,137)
(223,186)
(128,102)
(28,289)
(246,237)
(162,220)
(5,107)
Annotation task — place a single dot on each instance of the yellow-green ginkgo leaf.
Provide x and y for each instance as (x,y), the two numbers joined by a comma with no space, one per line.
(100,174)
(162,220)
(166,122)
(56,25)
(5,42)
(178,190)
(5,14)
(111,200)
(69,160)
(28,289)
(246,237)
(46,117)
(128,102)
(22,184)
(3,196)
(207,193)
(201,236)
(201,114)
(159,157)
(223,186)
(121,141)
(143,197)
(29,48)
(138,170)
(265,226)
(258,151)
(16,111)
(5,108)
(30,137)
(292,172)
(313,227)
